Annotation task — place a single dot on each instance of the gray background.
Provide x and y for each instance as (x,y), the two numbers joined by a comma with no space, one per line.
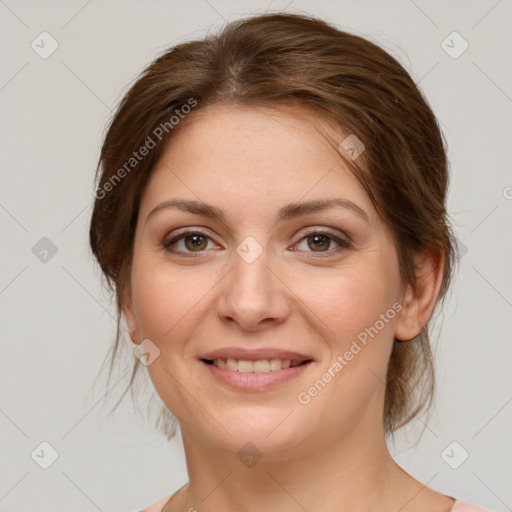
(57,322)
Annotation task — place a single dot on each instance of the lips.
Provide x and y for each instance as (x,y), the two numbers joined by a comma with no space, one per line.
(239,376)
(255,355)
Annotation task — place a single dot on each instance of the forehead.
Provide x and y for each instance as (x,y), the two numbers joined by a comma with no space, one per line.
(252,157)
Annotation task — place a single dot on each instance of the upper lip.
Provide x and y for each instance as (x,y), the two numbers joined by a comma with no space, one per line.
(254,354)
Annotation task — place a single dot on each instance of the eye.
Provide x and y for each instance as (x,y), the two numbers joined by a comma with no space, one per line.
(192,241)
(319,241)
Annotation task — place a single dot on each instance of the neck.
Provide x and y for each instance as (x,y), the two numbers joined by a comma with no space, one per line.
(354,473)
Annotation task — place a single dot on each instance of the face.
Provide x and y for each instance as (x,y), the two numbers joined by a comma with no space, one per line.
(264,276)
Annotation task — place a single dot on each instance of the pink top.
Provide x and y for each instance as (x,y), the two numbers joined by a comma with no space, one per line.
(458,506)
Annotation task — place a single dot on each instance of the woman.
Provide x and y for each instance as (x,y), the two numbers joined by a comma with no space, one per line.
(270,210)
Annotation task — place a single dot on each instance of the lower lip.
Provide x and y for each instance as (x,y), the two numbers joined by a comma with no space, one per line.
(252,381)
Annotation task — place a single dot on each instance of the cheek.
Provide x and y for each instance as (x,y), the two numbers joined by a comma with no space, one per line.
(352,300)
(167,301)
(169,304)
(357,308)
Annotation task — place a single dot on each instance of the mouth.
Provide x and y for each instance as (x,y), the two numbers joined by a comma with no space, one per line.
(255,369)
(256,366)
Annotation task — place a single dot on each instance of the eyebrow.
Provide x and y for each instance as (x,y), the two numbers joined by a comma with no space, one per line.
(287,212)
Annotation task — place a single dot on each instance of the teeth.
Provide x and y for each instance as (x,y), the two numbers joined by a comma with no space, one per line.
(231,364)
(245,366)
(275,364)
(260,366)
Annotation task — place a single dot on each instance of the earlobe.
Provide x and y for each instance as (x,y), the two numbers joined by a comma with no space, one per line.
(420,299)
(129,316)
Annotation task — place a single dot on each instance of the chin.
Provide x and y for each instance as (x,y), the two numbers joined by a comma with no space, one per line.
(270,430)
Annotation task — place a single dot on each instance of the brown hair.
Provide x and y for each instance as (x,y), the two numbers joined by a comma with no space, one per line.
(290,60)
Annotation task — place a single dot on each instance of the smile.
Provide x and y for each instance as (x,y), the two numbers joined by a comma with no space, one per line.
(258,366)
(259,375)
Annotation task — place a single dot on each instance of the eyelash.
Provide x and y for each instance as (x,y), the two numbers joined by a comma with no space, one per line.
(344,244)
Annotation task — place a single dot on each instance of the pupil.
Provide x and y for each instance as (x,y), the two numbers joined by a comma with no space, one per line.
(196,240)
(318,238)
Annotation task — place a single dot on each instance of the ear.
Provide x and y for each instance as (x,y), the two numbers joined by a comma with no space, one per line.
(129,315)
(419,301)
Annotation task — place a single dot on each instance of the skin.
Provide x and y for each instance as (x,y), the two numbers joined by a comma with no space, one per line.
(331,453)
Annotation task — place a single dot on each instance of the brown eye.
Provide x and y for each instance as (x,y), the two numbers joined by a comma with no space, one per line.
(318,242)
(188,242)
(195,242)
(321,242)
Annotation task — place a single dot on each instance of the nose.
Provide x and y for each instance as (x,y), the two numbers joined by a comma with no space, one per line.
(253,295)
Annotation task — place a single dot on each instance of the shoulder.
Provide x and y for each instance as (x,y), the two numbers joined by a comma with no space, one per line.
(462,506)
(157,506)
